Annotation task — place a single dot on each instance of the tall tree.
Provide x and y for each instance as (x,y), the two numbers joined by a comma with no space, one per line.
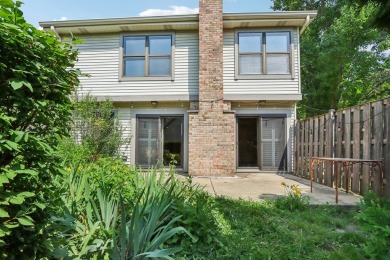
(342,56)
(382,17)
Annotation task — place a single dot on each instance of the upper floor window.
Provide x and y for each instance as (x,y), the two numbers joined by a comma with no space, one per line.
(263,54)
(147,57)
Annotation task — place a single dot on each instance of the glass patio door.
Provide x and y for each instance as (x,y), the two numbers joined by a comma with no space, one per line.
(273,143)
(159,141)
(147,141)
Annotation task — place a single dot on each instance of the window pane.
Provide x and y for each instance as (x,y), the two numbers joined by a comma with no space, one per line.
(134,45)
(147,149)
(172,132)
(249,42)
(159,45)
(159,66)
(278,64)
(134,66)
(278,42)
(250,64)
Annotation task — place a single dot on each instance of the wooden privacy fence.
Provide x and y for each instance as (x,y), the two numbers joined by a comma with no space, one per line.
(361,132)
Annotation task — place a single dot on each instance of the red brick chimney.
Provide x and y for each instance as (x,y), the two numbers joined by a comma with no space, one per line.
(211,128)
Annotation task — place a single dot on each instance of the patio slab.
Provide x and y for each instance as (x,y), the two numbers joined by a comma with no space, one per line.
(259,186)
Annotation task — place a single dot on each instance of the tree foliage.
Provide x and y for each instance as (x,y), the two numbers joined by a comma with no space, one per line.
(382,16)
(36,80)
(343,59)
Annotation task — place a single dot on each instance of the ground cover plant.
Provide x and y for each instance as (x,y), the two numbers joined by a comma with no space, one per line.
(374,219)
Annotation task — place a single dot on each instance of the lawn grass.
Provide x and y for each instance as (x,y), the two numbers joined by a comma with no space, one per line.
(253,230)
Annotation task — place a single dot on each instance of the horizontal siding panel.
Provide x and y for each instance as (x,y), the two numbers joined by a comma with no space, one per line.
(99,57)
(253,86)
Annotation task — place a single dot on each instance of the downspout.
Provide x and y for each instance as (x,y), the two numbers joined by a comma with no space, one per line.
(55,32)
(307,21)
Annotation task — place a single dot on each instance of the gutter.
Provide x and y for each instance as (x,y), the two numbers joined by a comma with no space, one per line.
(189,18)
(307,22)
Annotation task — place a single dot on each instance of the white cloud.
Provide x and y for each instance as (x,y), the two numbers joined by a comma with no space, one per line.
(174,10)
(63,18)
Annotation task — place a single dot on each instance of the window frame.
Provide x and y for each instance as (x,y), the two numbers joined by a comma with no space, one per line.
(122,57)
(263,31)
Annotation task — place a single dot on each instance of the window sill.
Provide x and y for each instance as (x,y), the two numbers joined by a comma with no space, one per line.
(123,79)
(260,77)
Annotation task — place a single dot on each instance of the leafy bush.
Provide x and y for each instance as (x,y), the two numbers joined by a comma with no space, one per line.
(112,175)
(374,218)
(197,209)
(97,127)
(36,80)
(294,200)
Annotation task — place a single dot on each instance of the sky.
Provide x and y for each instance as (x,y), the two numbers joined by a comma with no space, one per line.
(36,11)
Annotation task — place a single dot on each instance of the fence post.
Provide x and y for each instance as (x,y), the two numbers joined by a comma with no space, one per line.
(378,144)
(366,147)
(329,148)
(296,148)
(386,168)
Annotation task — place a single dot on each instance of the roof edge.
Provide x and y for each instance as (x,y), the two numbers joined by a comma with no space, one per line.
(178,18)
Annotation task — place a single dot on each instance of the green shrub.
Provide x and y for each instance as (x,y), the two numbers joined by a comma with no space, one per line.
(36,81)
(97,127)
(197,210)
(72,153)
(294,200)
(113,175)
(374,218)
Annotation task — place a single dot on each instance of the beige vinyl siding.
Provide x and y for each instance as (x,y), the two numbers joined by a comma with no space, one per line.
(99,57)
(124,116)
(256,86)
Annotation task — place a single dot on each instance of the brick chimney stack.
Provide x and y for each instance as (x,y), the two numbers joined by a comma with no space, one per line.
(211,128)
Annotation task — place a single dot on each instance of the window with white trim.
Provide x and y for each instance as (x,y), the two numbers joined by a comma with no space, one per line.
(263,53)
(147,56)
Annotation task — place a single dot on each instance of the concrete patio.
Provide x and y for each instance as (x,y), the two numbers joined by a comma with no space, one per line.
(259,186)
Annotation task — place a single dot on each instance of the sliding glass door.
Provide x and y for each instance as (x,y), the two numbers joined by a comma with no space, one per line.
(261,142)
(159,141)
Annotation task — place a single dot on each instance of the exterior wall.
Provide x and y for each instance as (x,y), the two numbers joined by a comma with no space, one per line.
(99,57)
(124,116)
(233,86)
(211,135)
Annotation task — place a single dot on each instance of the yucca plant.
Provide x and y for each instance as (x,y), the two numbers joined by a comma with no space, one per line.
(89,216)
(150,224)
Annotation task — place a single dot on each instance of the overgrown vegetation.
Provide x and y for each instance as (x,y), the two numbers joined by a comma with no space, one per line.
(62,198)
(36,80)
(374,219)
(97,127)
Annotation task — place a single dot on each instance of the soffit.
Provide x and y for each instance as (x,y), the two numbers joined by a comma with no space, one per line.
(178,22)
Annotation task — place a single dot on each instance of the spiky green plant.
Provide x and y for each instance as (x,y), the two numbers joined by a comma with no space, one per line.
(150,224)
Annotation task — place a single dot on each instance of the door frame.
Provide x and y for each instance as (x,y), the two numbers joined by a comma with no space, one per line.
(259,117)
(237,143)
(160,137)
